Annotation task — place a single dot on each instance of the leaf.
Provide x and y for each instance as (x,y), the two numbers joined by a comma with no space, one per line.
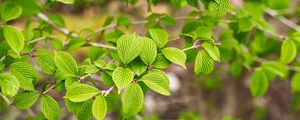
(81,92)
(106,79)
(99,107)
(175,56)
(212,51)
(161,61)
(10,10)
(122,77)
(76,43)
(295,83)
(278,4)
(85,113)
(245,24)
(137,66)
(50,108)
(66,1)
(9,84)
(159,36)
(14,38)
(129,47)
(123,20)
(66,64)
(158,82)
(149,52)
(46,60)
(218,10)
(132,100)
(288,51)
(259,83)
(25,100)
(204,64)
(275,68)
(26,74)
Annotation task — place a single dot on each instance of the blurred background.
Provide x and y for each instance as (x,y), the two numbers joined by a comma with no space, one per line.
(219,96)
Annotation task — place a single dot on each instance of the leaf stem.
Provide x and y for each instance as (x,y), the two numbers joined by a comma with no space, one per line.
(106,92)
(50,88)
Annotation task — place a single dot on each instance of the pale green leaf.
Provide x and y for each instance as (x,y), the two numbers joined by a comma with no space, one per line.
(81,92)
(9,11)
(295,83)
(66,1)
(66,64)
(275,68)
(26,74)
(25,100)
(132,100)
(175,56)
(99,107)
(218,10)
(50,108)
(129,47)
(9,84)
(106,79)
(212,51)
(259,83)
(14,38)
(158,82)
(288,51)
(159,36)
(122,77)
(204,64)
(148,54)
(46,60)
(161,61)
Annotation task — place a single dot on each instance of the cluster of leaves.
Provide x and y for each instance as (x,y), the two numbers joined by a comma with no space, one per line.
(131,63)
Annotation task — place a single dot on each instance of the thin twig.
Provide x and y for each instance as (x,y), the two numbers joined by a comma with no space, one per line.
(283,20)
(106,92)
(5,99)
(36,40)
(50,88)
(102,45)
(46,19)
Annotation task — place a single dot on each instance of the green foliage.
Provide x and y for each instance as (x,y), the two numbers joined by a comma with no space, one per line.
(175,55)
(134,63)
(132,100)
(259,83)
(122,77)
(50,108)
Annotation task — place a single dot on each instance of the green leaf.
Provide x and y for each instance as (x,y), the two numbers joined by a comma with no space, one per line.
(288,51)
(25,100)
(245,24)
(10,10)
(122,77)
(218,10)
(9,84)
(81,92)
(278,4)
(66,1)
(212,51)
(46,60)
(66,64)
(106,79)
(137,66)
(129,47)
(295,83)
(259,83)
(148,54)
(99,107)
(50,108)
(204,64)
(159,36)
(275,68)
(123,20)
(158,82)
(26,74)
(161,61)
(14,38)
(175,56)
(85,113)
(76,43)
(132,100)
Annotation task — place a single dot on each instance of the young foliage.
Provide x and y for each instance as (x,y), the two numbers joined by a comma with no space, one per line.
(259,83)
(175,55)
(66,64)
(204,64)
(10,10)
(122,77)
(159,36)
(132,100)
(50,108)
(99,107)
(81,92)
(14,38)
(157,81)
(25,100)
(288,51)
(129,47)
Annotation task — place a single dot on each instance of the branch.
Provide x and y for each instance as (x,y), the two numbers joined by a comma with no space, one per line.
(283,20)
(5,99)
(106,92)
(50,88)
(46,19)
(293,68)
(102,45)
